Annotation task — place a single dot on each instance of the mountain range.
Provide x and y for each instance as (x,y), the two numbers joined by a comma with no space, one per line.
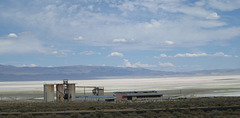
(13,73)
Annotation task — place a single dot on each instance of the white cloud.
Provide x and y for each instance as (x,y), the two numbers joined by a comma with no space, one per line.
(127,63)
(30,65)
(89,53)
(195,33)
(126,6)
(78,38)
(191,55)
(54,52)
(12,35)
(115,54)
(186,24)
(217,54)
(209,23)
(24,43)
(120,40)
(169,42)
(124,41)
(224,5)
(132,40)
(166,64)
(72,8)
(221,54)
(163,55)
(213,16)
(63,53)
(153,24)
(200,3)
(194,11)
(196,20)
(173,6)
(137,64)
(90,7)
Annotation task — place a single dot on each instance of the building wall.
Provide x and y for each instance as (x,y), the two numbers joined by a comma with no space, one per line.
(49,92)
(60,92)
(71,92)
(147,98)
(91,99)
(101,92)
(119,96)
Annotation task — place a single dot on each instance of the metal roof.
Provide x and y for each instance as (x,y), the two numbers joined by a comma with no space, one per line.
(153,91)
(91,96)
(143,94)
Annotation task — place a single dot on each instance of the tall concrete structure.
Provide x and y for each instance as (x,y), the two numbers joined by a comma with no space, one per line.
(59,92)
(49,92)
(71,92)
(65,91)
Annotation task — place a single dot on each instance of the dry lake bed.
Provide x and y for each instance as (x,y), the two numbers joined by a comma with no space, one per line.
(187,86)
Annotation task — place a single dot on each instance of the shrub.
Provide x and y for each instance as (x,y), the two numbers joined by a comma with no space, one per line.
(91,108)
(216,114)
(177,114)
(25,115)
(108,115)
(9,116)
(76,115)
(117,114)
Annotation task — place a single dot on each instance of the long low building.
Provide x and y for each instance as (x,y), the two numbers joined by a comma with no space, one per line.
(137,95)
(95,98)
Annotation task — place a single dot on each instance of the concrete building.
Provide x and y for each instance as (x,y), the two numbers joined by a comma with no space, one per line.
(67,92)
(60,93)
(71,92)
(49,92)
(137,95)
(64,92)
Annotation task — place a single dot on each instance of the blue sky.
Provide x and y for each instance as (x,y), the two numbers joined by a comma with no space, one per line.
(170,35)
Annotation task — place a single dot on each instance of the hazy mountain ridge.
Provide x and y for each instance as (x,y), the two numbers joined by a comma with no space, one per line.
(12,73)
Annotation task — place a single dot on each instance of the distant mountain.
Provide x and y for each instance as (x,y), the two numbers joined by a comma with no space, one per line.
(214,72)
(12,73)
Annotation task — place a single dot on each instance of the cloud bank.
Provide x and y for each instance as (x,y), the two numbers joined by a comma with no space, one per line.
(217,54)
(182,24)
(136,65)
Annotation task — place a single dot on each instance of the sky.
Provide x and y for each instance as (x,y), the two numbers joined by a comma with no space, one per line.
(167,35)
